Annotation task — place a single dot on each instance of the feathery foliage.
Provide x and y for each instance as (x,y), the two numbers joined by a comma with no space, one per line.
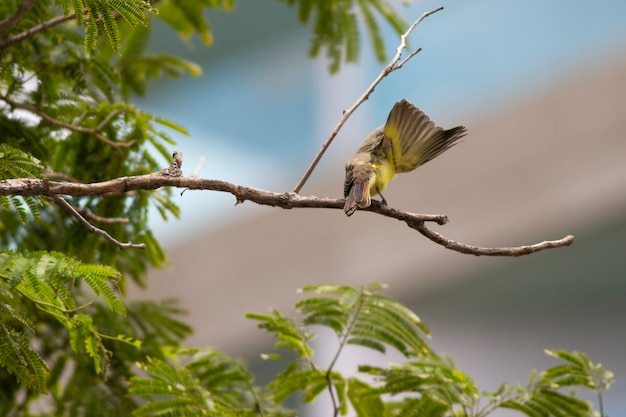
(100,16)
(42,292)
(46,279)
(336,29)
(15,163)
(206,382)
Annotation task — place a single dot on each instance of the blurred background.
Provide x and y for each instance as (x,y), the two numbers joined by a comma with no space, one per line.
(541,87)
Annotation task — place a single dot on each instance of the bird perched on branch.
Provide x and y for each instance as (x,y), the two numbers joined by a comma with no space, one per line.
(408,139)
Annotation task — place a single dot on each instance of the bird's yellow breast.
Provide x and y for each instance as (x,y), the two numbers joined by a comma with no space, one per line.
(384,174)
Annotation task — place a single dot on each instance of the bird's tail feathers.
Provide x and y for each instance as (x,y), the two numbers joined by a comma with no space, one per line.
(358,197)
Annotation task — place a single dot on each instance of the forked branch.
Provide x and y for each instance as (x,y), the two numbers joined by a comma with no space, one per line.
(393,65)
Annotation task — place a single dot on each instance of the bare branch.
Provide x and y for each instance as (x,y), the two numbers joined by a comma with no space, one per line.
(93,229)
(198,167)
(392,66)
(479,251)
(10,21)
(60,176)
(74,128)
(285,200)
(88,214)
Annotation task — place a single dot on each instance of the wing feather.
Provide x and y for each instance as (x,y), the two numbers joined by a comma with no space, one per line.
(414,138)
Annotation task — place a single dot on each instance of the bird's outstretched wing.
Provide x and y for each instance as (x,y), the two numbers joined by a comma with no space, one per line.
(414,138)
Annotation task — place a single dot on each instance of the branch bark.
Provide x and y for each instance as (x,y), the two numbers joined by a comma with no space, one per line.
(172,177)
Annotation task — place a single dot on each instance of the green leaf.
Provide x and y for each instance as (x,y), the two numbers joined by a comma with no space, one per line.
(291,381)
(373,29)
(336,27)
(211,383)
(363,402)
(172,125)
(83,335)
(110,25)
(19,359)
(98,278)
(286,330)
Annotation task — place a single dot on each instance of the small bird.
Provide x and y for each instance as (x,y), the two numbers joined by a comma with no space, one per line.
(408,139)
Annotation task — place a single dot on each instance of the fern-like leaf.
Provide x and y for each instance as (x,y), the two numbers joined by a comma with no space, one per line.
(363,403)
(212,383)
(579,370)
(84,336)
(45,278)
(91,25)
(373,29)
(287,331)
(79,7)
(542,396)
(335,27)
(293,380)
(365,318)
(426,405)
(99,277)
(110,25)
(15,163)
(18,358)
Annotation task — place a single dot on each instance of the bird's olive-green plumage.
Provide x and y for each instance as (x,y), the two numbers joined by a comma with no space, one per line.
(408,139)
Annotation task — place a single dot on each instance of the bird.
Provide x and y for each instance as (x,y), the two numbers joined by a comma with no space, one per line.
(407,140)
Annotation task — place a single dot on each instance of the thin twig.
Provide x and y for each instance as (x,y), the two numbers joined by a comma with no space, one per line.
(198,167)
(392,66)
(286,200)
(80,129)
(88,214)
(347,332)
(60,176)
(106,120)
(93,229)
(480,251)
(10,21)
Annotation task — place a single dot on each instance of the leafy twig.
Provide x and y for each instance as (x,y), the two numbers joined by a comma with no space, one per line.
(74,128)
(392,66)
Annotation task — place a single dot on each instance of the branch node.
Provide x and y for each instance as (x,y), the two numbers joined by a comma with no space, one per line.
(174,170)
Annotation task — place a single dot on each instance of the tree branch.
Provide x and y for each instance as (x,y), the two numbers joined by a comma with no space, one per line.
(392,66)
(480,251)
(88,214)
(10,21)
(93,229)
(172,177)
